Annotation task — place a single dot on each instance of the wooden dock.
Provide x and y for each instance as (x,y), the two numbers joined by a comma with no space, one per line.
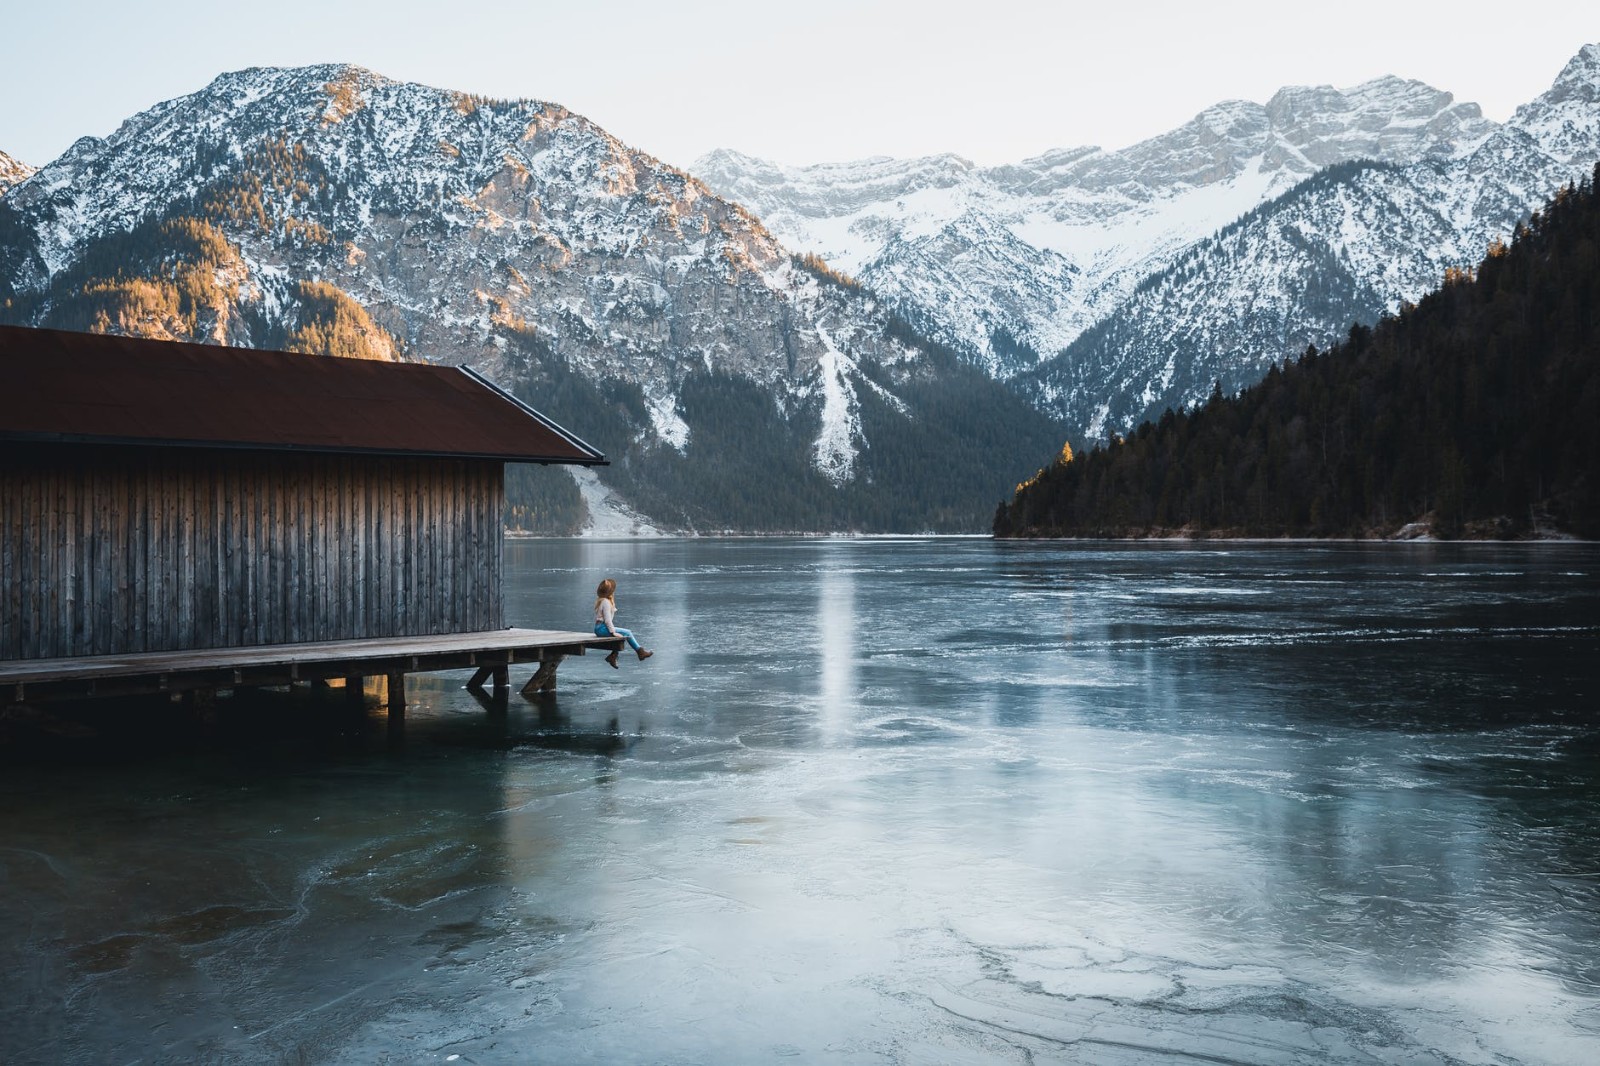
(490,653)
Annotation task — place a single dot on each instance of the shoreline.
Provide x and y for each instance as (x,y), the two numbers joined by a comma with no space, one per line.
(731,534)
(1201,538)
(1223,539)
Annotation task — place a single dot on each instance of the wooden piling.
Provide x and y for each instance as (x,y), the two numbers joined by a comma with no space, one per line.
(544,678)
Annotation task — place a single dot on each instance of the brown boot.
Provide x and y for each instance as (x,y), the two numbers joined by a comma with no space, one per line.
(643,655)
(611,661)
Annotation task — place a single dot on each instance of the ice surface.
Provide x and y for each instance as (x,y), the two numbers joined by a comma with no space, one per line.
(905,801)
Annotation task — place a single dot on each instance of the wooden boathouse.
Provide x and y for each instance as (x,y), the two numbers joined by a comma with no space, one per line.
(188,517)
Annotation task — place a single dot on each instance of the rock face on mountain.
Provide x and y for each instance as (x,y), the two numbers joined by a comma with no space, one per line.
(1108,285)
(12,172)
(329,209)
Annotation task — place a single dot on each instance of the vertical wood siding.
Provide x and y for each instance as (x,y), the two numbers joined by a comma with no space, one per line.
(104,551)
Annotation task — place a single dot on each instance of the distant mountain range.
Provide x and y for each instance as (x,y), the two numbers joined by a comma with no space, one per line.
(954,326)
(1108,285)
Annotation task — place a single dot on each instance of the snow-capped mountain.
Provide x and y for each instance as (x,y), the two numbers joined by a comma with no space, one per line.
(1346,246)
(1565,121)
(1038,251)
(330,209)
(12,172)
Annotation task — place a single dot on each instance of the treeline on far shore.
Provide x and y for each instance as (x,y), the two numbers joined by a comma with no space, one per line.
(1475,412)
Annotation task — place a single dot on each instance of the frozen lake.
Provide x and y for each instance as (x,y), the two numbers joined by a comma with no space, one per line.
(876,801)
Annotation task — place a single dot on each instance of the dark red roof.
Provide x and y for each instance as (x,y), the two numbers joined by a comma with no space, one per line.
(94,388)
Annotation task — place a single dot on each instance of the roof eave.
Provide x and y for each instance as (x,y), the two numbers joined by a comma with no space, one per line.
(560,431)
(595,459)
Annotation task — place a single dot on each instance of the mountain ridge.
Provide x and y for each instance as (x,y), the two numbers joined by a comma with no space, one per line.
(1078,230)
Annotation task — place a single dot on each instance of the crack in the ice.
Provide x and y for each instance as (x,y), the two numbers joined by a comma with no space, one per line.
(1067,1042)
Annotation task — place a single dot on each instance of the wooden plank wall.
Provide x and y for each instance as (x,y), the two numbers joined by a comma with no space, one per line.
(104,551)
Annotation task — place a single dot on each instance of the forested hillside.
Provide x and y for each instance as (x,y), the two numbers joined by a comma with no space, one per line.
(1475,411)
(745,467)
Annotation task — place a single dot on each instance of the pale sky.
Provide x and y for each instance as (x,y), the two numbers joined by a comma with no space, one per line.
(823,80)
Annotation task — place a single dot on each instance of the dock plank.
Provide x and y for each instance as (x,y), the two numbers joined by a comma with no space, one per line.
(315,658)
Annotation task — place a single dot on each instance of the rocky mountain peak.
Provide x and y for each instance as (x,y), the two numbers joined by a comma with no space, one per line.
(384,145)
(13,172)
(824,189)
(1565,119)
(1581,75)
(726,160)
(1269,147)
(1398,120)
(1389,99)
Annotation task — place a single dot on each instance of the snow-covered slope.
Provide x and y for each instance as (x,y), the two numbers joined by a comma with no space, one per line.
(1066,236)
(12,172)
(288,206)
(1345,247)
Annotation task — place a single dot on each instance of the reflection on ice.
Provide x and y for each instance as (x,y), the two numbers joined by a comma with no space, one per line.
(838,639)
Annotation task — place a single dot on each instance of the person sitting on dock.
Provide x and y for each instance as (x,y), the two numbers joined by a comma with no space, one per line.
(605,613)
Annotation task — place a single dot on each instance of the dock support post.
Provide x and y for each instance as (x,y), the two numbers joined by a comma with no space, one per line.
(544,678)
(483,674)
(201,707)
(354,691)
(396,685)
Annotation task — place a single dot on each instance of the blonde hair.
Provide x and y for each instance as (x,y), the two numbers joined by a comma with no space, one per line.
(606,591)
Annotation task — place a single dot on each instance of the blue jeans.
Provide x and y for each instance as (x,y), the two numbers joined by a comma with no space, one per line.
(616,631)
